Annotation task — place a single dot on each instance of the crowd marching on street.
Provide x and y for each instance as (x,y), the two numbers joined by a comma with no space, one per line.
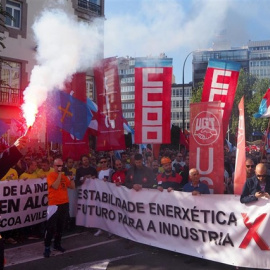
(132,168)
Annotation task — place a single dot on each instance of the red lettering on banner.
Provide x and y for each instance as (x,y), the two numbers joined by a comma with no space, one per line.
(252,232)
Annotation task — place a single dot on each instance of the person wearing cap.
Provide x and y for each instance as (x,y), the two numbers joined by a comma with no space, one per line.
(169,179)
(195,186)
(58,206)
(140,176)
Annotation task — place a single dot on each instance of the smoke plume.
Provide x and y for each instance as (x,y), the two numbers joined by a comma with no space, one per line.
(64,46)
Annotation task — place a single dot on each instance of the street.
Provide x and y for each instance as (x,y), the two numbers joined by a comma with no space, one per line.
(85,251)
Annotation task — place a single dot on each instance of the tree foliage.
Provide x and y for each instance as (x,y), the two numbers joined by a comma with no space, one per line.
(253,89)
(3,15)
(197,93)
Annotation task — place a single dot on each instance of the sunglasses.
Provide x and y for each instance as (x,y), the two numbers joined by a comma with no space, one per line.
(59,165)
(261,176)
(250,166)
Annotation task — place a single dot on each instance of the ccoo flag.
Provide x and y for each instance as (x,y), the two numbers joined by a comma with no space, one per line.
(68,113)
(264,109)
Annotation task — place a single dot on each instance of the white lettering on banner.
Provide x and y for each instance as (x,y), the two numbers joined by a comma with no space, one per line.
(214,227)
(210,160)
(209,181)
(241,130)
(219,88)
(153,130)
(146,82)
(205,122)
(152,110)
(28,199)
(153,91)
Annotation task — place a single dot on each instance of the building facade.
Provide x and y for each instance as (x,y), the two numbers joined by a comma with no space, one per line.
(253,57)
(18,58)
(177,105)
(126,68)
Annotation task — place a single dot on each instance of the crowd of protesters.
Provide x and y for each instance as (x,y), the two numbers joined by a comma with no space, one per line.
(170,170)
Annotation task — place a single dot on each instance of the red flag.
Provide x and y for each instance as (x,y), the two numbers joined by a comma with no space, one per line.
(156,150)
(240,162)
(206,144)
(72,147)
(183,140)
(220,85)
(110,127)
(153,80)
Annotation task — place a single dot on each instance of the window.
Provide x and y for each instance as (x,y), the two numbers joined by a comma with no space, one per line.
(89,87)
(11,77)
(15,10)
(92,5)
(10,74)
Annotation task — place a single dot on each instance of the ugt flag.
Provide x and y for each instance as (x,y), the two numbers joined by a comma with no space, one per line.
(68,113)
(220,85)
(264,109)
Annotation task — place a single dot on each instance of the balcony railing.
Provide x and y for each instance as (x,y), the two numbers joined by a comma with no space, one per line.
(10,96)
(86,4)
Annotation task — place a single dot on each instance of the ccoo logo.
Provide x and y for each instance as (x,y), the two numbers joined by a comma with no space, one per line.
(205,128)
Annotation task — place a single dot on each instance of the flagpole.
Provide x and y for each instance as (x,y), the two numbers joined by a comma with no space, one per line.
(183,92)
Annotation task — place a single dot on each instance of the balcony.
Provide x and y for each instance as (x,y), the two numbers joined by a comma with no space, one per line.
(88,5)
(10,96)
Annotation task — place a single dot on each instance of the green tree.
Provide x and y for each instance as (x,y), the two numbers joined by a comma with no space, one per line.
(260,88)
(197,93)
(253,90)
(245,85)
(3,15)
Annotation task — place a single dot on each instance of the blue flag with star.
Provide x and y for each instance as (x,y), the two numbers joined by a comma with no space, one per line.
(68,113)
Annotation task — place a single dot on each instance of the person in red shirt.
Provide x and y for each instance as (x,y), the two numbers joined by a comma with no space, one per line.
(169,179)
(119,175)
(58,206)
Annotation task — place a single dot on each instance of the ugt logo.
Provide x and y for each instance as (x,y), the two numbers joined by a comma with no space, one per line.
(252,232)
(205,128)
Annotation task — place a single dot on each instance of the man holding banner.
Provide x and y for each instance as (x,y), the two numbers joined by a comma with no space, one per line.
(196,187)
(257,186)
(140,176)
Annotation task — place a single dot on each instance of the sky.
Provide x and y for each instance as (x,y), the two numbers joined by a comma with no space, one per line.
(139,28)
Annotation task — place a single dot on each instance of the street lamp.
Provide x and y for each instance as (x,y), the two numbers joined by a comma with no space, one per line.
(183,92)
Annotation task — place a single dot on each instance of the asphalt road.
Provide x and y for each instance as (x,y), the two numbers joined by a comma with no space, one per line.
(86,252)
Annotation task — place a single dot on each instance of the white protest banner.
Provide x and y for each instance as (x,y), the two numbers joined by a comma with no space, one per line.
(214,227)
(22,203)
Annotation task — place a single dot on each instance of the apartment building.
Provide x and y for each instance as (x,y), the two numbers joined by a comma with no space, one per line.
(177,118)
(126,68)
(253,57)
(19,55)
